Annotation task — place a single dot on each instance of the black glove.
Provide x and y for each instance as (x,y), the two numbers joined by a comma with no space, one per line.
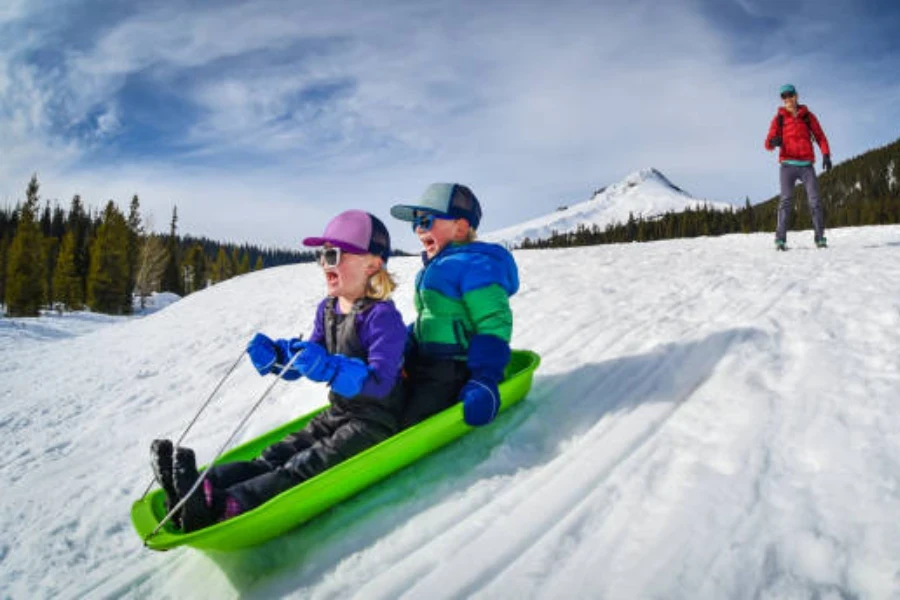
(826,162)
(775,141)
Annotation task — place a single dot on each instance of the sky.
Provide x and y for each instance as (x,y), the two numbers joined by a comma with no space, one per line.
(260,119)
(711,419)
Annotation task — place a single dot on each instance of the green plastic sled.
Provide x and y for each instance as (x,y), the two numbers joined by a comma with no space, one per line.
(301,503)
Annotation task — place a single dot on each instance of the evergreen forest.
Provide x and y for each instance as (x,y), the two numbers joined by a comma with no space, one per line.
(106,260)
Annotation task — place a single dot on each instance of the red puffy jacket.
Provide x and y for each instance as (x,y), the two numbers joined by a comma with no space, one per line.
(796,141)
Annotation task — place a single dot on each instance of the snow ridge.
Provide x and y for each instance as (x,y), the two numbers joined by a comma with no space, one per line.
(644,193)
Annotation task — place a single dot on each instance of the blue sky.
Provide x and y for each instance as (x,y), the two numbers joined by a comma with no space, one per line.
(263,119)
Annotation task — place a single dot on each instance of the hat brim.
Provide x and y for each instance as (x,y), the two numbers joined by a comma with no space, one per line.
(321,241)
(407,212)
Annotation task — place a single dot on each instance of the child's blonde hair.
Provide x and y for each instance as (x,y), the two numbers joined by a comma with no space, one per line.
(380,285)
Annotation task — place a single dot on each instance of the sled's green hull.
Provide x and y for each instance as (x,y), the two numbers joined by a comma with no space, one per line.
(301,503)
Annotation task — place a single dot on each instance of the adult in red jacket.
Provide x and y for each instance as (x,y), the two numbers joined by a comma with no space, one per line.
(793,130)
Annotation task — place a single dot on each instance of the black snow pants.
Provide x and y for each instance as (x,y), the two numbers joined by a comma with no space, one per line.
(432,385)
(328,439)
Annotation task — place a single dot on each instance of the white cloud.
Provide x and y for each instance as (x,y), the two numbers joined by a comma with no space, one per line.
(12,10)
(531,108)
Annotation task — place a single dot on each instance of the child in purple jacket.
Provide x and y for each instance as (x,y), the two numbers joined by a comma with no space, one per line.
(356,348)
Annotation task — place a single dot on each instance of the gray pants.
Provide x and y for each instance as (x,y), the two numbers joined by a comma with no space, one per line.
(789,176)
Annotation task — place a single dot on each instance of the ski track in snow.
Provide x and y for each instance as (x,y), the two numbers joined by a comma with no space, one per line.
(711,419)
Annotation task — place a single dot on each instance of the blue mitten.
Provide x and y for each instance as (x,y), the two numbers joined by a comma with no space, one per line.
(286,350)
(263,353)
(313,362)
(346,375)
(487,359)
(481,402)
(351,374)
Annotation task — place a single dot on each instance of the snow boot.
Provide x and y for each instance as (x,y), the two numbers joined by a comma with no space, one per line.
(780,245)
(822,242)
(196,513)
(161,463)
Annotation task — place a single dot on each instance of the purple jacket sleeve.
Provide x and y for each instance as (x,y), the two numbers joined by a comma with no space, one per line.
(318,332)
(382,332)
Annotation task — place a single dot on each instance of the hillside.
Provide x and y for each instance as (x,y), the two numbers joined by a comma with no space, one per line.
(711,420)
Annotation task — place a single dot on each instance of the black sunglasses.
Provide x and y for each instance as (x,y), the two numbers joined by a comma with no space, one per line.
(426,221)
(787,95)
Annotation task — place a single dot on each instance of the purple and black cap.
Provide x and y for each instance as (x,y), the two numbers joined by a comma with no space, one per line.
(444,199)
(357,232)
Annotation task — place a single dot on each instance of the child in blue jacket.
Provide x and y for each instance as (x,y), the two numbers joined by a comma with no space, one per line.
(356,348)
(458,346)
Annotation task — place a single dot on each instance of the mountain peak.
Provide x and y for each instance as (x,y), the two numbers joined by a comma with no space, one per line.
(646,175)
(643,193)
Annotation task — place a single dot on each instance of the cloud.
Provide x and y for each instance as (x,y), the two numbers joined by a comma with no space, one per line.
(12,10)
(269,108)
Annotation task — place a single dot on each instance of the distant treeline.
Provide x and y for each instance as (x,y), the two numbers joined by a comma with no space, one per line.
(862,191)
(69,260)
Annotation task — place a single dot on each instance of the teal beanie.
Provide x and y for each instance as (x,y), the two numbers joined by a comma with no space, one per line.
(787,89)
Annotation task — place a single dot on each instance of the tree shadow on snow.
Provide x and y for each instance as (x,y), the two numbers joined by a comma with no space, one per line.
(560,407)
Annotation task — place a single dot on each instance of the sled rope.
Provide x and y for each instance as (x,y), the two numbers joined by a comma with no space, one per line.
(199,412)
(221,451)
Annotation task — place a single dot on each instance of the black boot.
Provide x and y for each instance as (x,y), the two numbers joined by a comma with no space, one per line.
(195,514)
(161,463)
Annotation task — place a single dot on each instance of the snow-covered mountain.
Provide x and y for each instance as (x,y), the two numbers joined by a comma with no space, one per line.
(711,419)
(644,193)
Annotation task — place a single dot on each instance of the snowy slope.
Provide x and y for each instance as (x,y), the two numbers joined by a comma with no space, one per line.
(711,420)
(644,193)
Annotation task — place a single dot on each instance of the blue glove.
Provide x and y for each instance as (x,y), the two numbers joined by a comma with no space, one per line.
(345,375)
(286,350)
(263,353)
(487,358)
(313,362)
(350,376)
(481,402)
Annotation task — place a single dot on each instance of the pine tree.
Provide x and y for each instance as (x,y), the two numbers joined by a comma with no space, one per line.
(221,269)
(4,254)
(630,228)
(46,220)
(58,224)
(25,263)
(135,232)
(244,264)
(79,223)
(195,268)
(172,277)
(108,274)
(51,254)
(235,261)
(259,266)
(66,283)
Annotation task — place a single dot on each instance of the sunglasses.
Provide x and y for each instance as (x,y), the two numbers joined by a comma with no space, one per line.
(330,258)
(426,222)
(787,95)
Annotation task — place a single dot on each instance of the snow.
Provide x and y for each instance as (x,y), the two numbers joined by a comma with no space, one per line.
(154,302)
(644,193)
(711,419)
